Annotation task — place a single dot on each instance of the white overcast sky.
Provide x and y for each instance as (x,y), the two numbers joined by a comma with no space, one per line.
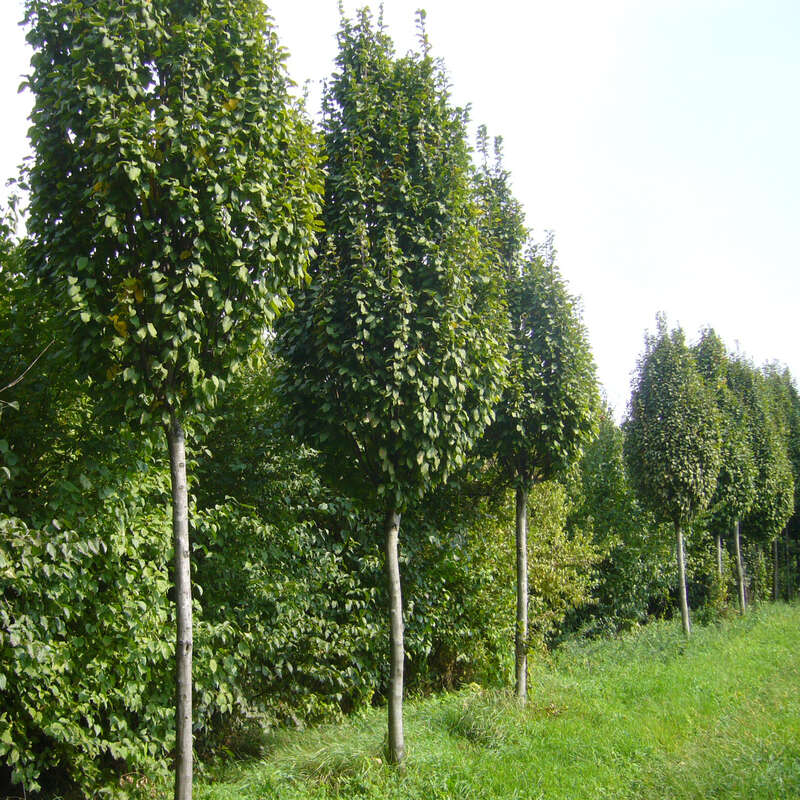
(658,139)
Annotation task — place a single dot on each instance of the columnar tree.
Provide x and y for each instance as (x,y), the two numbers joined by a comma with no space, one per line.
(735,490)
(395,351)
(672,439)
(173,198)
(786,402)
(548,408)
(773,501)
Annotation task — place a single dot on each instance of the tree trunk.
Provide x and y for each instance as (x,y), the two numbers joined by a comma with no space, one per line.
(183,602)
(687,625)
(397,748)
(788,582)
(739,569)
(521,635)
(775,568)
(719,557)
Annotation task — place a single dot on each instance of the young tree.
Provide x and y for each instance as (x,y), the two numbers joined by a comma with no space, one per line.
(548,408)
(735,490)
(173,197)
(786,403)
(672,439)
(773,501)
(395,352)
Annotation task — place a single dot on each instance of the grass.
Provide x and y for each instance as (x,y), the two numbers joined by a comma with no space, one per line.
(643,716)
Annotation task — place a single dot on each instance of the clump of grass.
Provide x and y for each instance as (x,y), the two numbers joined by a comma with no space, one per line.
(343,758)
(479,717)
(491,718)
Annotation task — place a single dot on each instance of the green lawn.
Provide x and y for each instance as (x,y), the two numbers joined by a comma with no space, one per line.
(646,715)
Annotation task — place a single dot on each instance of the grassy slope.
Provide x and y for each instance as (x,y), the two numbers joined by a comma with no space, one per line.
(642,716)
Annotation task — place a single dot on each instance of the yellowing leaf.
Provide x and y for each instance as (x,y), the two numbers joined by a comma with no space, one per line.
(120,326)
(231,104)
(185,254)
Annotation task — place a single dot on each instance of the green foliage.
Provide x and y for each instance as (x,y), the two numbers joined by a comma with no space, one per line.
(642,716)
(395,351)
(773,503)
(672,434)
(173,189)
(314,548)
(458,576)
(785,402)
(548,410)
(502,219)
(562,563)
(85,663)
(760,583)
(637,570)
(736,482)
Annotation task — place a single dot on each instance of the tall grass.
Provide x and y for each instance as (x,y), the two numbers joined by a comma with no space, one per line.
(645,716)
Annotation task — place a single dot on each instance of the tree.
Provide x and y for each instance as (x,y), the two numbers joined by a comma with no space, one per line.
(735,490)
(772,472)
(395,351)
(548,408)
(786,403)
(773,500)
(173,197)
(672,439)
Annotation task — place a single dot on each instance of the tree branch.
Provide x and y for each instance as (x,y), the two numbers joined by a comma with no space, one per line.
(28,369)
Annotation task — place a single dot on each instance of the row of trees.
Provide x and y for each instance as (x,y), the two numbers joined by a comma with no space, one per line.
(707,432)
(174,195)
(386,343)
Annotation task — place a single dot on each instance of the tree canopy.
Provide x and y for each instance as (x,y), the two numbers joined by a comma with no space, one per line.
(173,188)
(395,352)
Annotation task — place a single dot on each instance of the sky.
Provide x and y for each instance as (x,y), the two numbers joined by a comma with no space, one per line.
(658,139)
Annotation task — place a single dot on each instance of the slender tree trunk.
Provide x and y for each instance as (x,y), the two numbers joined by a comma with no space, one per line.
(521,636)
(183,602)
(719,557)
(739,569)
(687,625)
(775,581)
(397,748)
(788,582)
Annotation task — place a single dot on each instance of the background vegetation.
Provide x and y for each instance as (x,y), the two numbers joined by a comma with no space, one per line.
(287,571)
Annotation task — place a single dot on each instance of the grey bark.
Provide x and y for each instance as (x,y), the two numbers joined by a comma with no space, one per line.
(183,602)
(719,557)
(739,569)
(788,581)
(684,600)
(775,568)
(397,748)
(521,631)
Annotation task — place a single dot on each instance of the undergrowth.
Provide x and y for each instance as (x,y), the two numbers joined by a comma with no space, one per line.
(644,716)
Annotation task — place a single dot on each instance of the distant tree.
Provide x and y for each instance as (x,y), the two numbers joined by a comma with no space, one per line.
(773,502)
(672,439)
(786,401)
(395,353)
(173,197)
(735,491)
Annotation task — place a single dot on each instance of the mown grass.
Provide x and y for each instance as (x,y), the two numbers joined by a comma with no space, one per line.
(645,715)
